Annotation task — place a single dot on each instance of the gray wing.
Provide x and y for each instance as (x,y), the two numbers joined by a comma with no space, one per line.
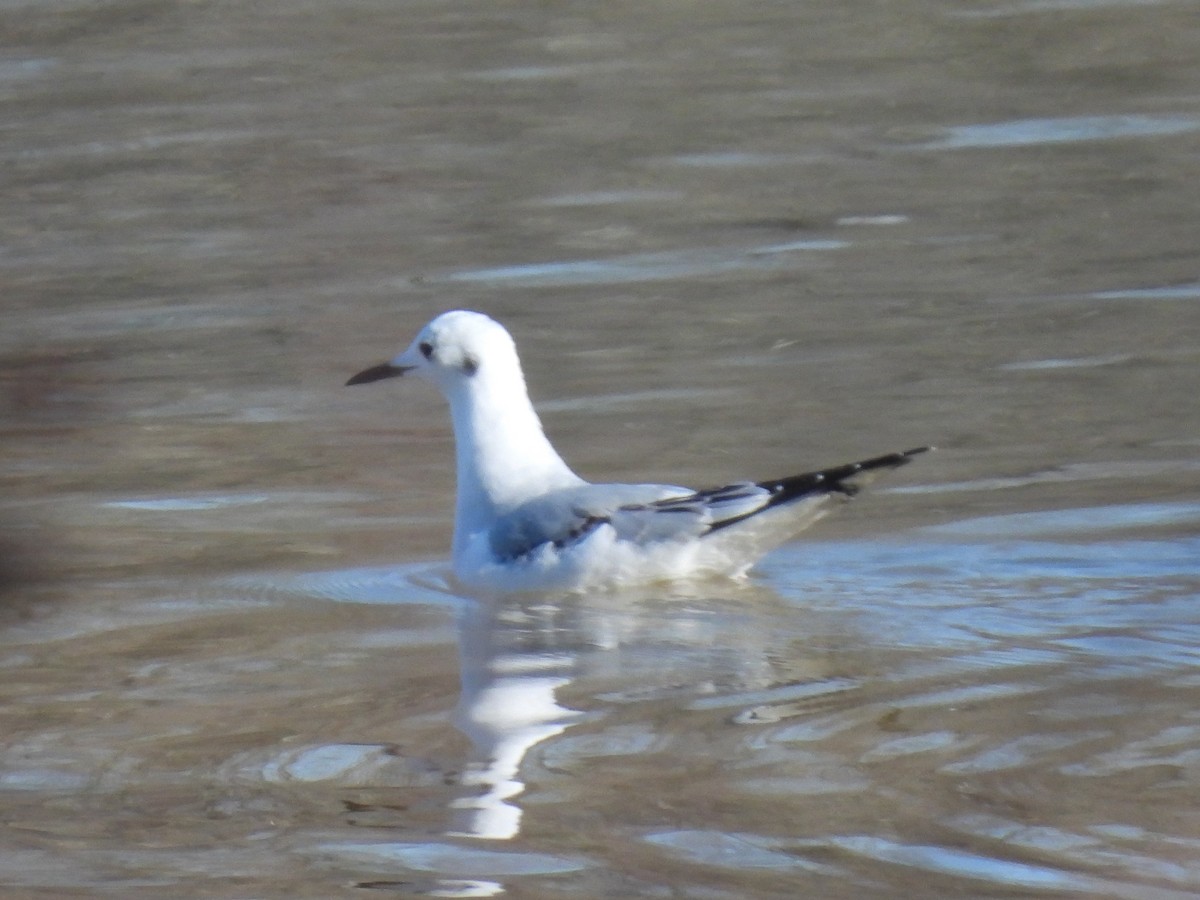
(651,513)
(564,517)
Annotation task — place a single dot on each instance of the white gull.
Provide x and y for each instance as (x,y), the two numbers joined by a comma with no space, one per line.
(524,521)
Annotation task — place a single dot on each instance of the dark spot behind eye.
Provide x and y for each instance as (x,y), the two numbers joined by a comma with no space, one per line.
(470,365)
(426,349)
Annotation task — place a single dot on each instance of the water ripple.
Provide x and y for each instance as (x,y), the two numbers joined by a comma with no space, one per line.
(737,851)
(641,266)
(963,864)
(1033,132)
(449,859)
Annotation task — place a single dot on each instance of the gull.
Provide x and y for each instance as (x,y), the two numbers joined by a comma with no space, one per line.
(525,522)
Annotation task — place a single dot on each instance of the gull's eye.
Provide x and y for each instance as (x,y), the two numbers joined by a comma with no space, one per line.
(426,349)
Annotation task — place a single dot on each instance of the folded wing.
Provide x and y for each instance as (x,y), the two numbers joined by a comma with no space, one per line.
(648,514)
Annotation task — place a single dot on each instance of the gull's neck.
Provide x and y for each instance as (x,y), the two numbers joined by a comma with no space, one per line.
(503,456)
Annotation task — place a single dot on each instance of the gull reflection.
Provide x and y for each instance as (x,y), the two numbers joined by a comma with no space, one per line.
(512,667)
(518,657)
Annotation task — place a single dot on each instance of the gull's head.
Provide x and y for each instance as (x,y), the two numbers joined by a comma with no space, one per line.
(452,350)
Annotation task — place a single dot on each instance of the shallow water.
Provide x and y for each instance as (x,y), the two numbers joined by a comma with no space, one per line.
(731,243)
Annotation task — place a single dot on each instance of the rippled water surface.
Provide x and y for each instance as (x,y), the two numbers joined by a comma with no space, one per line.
(732,241)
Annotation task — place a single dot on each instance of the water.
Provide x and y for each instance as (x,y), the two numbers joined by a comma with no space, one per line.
(731,243)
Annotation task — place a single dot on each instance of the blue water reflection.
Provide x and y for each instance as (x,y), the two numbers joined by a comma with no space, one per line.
(1032,132)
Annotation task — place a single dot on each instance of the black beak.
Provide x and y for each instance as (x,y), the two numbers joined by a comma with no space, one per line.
(377,373)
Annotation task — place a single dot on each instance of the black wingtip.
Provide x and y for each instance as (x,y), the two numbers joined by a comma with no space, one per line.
(836,480)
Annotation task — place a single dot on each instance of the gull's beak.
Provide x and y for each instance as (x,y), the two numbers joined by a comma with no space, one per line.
(378,373)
